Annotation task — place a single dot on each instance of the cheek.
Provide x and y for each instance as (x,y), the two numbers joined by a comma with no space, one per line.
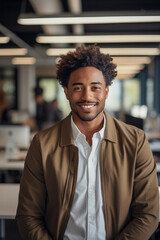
(103,96)
(74,95)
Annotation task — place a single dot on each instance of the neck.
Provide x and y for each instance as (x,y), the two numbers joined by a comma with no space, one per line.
(88,128)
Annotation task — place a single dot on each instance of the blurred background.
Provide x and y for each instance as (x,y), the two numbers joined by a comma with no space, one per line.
(33,33)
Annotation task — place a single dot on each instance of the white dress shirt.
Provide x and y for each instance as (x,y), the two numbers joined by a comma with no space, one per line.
(86,220)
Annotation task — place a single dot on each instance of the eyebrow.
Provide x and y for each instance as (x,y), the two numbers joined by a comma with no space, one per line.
(78,83)
(92,83)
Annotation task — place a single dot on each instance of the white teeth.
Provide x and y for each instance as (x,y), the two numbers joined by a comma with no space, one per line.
(87,106)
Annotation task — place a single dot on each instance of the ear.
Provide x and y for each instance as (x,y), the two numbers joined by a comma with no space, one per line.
(66,92)
(107,91)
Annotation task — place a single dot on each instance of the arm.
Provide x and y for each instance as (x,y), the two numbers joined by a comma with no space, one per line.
(32,197)
(144,207)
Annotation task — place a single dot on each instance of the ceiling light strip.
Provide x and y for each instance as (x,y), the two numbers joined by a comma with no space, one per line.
(131,60)
(130,67)
(132,51)
(13,51)
(4,40)
(111,51)
(86,20)
(124,76)
(98,39)
(23,61)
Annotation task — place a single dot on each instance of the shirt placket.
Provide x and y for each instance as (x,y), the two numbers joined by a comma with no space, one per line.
(91,193)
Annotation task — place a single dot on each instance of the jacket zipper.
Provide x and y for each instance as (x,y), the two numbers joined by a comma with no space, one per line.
(73,174)
(68,186)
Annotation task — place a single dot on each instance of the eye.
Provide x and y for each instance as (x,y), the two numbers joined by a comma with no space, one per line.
(77,88)
(96,88)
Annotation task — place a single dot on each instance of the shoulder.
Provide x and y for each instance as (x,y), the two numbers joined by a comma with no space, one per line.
(52,135)
(49,133)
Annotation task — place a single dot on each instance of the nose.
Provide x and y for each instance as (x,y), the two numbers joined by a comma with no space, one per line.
(86,94)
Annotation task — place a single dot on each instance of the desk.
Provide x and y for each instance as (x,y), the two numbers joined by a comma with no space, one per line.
(155,146)
(8,204)
(153,135)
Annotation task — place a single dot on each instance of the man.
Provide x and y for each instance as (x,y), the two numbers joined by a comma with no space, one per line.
(46,114)
(90,176)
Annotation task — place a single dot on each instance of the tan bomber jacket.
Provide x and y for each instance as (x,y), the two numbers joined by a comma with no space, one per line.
(129,183)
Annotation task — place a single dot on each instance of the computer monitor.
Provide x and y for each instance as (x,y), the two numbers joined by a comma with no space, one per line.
(135,121)
(19,133)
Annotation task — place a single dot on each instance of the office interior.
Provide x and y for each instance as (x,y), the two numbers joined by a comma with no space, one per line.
(29,50)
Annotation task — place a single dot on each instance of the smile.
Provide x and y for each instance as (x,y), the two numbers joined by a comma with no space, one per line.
(87,106)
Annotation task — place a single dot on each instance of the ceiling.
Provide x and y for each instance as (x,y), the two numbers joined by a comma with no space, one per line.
(25,36)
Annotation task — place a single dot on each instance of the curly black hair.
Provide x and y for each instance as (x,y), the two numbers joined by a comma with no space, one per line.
(84,57)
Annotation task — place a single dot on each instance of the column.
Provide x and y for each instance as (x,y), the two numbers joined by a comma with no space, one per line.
(157,84)
(26,83)
(143,76)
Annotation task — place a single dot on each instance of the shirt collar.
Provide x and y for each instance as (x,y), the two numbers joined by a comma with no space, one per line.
(76,132)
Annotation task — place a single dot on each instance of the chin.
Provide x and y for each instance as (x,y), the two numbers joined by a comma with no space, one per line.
(87,118)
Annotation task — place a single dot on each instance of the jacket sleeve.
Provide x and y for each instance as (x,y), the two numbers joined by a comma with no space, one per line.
(32,196)
(145,200)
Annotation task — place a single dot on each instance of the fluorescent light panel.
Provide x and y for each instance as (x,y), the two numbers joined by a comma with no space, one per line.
(111,51)
(4,40)
(13,51)
(98,39)
(23,61)
(24,20)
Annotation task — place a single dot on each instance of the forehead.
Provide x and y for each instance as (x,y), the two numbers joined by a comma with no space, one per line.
(86,74)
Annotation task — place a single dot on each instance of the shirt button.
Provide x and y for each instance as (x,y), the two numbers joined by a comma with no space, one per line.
(91,218)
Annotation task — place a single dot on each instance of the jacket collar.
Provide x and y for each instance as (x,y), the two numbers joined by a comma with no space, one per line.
(66,132)
(110,132)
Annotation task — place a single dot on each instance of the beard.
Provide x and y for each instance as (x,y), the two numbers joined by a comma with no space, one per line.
(87,118)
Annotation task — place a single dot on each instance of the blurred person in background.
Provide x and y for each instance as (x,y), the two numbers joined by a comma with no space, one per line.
(90,176)
(44,110)
(58,113)
(46,113)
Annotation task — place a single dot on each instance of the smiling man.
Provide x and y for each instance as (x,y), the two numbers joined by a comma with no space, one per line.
(90,176)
